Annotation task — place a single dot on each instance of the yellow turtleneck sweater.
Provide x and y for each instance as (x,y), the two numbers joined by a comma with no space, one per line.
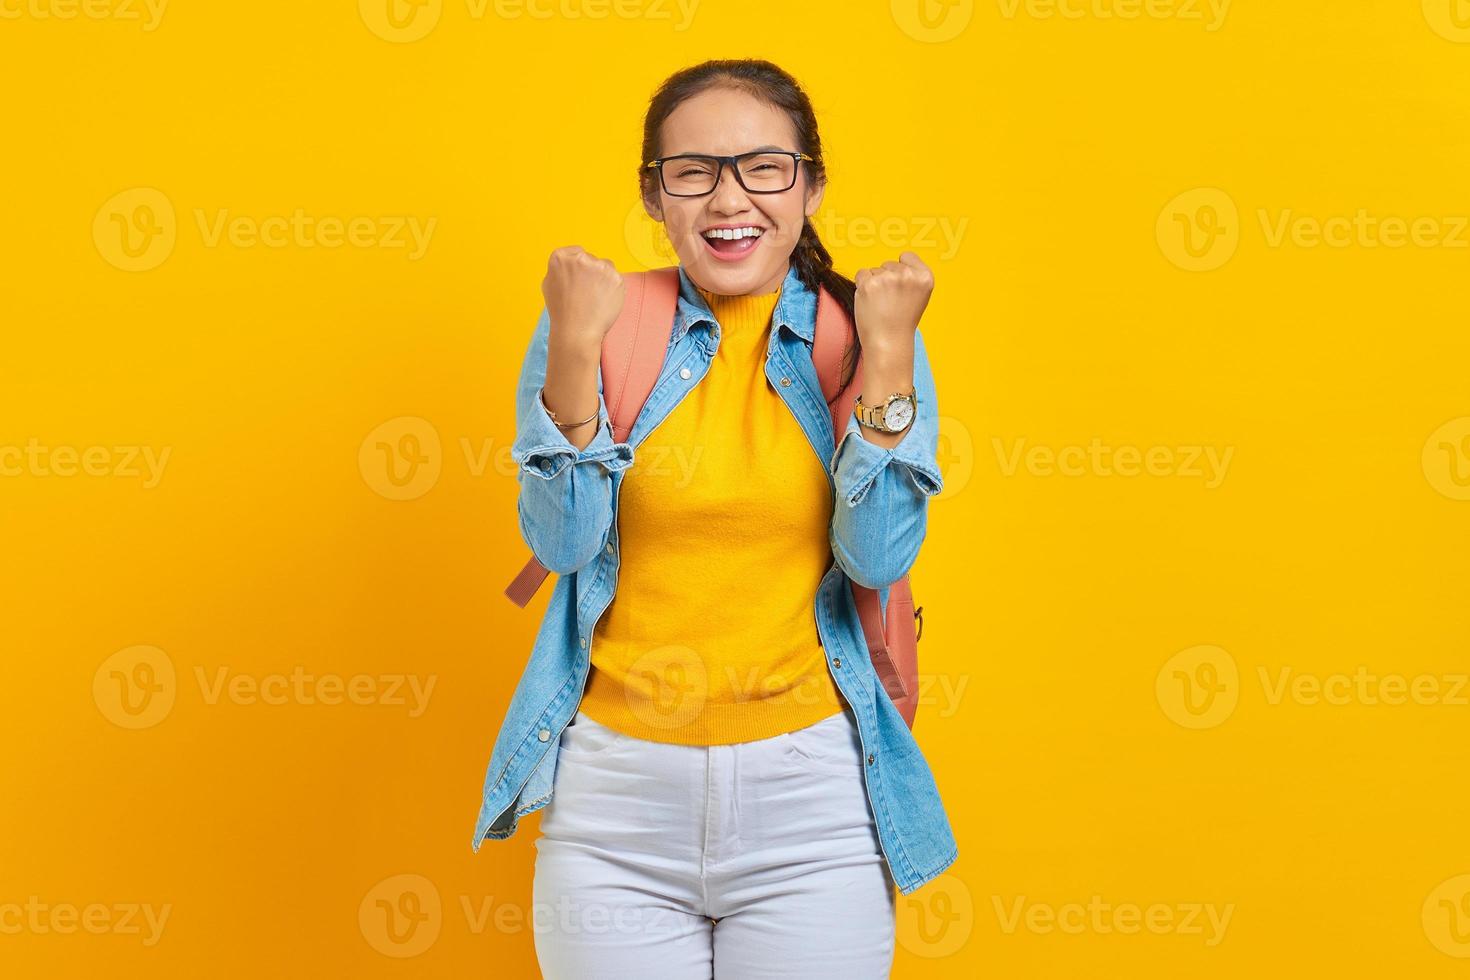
(723,518)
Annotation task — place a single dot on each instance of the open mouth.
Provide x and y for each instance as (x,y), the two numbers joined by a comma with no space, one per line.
(732,244)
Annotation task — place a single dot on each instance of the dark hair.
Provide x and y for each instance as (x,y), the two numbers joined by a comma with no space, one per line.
(772,85)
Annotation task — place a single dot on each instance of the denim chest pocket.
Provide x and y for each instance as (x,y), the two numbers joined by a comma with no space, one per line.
(831,745)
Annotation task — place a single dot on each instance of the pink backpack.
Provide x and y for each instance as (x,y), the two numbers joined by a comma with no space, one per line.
(632,356)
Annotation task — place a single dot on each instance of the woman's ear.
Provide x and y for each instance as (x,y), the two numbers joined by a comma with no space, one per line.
(814,198)
(653,207)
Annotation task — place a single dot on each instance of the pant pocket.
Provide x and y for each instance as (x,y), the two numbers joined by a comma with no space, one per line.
(584,738)
(829,746)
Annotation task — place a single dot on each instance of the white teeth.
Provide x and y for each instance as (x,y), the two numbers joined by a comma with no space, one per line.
(733,233)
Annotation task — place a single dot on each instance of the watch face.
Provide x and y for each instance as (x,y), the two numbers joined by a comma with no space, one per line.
(899,413)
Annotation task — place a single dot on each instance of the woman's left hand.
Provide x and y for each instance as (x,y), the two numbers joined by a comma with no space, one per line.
(889,301)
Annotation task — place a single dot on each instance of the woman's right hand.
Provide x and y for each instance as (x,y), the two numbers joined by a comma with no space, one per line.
(584,295)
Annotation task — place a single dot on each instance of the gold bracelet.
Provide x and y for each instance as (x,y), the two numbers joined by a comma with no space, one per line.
(563,425)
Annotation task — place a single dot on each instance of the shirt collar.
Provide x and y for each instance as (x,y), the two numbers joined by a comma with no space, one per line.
(796,309)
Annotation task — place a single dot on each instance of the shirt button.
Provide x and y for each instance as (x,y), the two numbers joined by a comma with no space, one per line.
(544,735)
(546,466)
(685,373)
(836,661)
(870,760)
(785,382)
(609,547)
(582,643)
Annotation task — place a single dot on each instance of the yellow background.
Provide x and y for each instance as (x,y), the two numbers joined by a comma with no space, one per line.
(1047,167)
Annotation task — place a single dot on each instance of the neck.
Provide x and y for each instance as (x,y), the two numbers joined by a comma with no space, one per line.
(767,288)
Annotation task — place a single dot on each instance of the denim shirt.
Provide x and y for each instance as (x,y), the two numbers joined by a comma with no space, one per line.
(568,508)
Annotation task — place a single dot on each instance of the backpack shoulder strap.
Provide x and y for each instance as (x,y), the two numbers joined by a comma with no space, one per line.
(632,356)
(633,350)
(833,337)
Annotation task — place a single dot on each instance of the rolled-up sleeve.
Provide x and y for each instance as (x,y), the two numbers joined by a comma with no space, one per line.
(880,512)
(565,502)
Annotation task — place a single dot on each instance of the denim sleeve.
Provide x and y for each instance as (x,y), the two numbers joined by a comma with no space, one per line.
(565,502)
(881,509)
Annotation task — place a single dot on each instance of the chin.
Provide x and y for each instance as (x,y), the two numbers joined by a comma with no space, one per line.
(719,277)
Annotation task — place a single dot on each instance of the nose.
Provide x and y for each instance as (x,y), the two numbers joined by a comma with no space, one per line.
(728,196)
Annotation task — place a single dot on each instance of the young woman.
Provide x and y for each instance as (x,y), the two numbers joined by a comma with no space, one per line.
(729,790)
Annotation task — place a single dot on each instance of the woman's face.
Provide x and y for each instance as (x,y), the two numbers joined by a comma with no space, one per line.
(724,122)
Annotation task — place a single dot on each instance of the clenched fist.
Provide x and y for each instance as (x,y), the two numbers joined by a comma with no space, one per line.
(584,295)
(889,301)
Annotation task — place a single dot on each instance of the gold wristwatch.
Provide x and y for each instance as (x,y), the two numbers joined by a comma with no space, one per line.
(893,414)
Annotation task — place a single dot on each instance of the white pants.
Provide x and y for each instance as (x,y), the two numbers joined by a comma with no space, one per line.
(644,843)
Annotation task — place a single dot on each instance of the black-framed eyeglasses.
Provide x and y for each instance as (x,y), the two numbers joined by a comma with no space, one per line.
(759,171)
